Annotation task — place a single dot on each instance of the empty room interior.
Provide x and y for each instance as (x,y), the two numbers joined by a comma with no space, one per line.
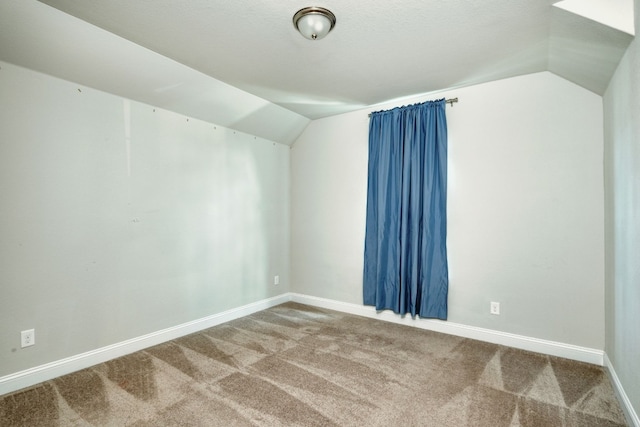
(178,168)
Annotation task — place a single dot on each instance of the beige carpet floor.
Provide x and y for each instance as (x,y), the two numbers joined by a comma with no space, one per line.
(294,365)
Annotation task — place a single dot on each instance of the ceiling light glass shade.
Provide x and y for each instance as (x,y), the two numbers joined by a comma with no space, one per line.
(314,22)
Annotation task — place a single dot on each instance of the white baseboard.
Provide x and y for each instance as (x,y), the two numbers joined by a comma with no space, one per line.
(582,354)
(551,348)
(29,377)
(632,417)
(65,366)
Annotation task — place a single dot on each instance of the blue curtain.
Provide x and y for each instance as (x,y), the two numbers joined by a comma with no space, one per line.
(405,254)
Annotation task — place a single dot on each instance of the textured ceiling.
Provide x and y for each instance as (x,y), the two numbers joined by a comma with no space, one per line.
(379,50)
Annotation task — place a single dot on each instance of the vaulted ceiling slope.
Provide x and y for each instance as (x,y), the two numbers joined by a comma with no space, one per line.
(243,62)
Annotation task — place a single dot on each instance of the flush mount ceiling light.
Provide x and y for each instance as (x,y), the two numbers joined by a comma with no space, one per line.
(314,22)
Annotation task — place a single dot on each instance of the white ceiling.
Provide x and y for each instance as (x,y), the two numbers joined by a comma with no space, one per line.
(614,13)
(379,50)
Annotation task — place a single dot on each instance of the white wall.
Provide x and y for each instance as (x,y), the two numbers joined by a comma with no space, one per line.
(118,219)
(37,36)
(622,181)
(525,208)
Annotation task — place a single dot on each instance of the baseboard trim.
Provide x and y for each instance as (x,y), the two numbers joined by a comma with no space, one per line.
(71,364)
(631,415)
(38,374)
(582,354)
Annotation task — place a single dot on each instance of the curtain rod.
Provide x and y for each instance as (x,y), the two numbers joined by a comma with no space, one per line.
(449,101)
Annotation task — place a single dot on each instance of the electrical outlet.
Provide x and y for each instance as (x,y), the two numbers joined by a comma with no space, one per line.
(276,280)
(495,308)
(27,338)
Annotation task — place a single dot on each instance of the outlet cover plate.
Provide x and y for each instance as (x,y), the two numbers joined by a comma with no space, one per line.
(495,308)
(27,338)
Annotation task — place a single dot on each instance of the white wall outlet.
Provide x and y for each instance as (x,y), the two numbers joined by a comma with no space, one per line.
(495,308)
(27,338)
(276,279)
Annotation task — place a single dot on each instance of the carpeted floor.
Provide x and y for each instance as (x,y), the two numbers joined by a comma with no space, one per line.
(294,365)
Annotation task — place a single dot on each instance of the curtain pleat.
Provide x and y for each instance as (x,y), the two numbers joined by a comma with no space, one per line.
(405,257)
